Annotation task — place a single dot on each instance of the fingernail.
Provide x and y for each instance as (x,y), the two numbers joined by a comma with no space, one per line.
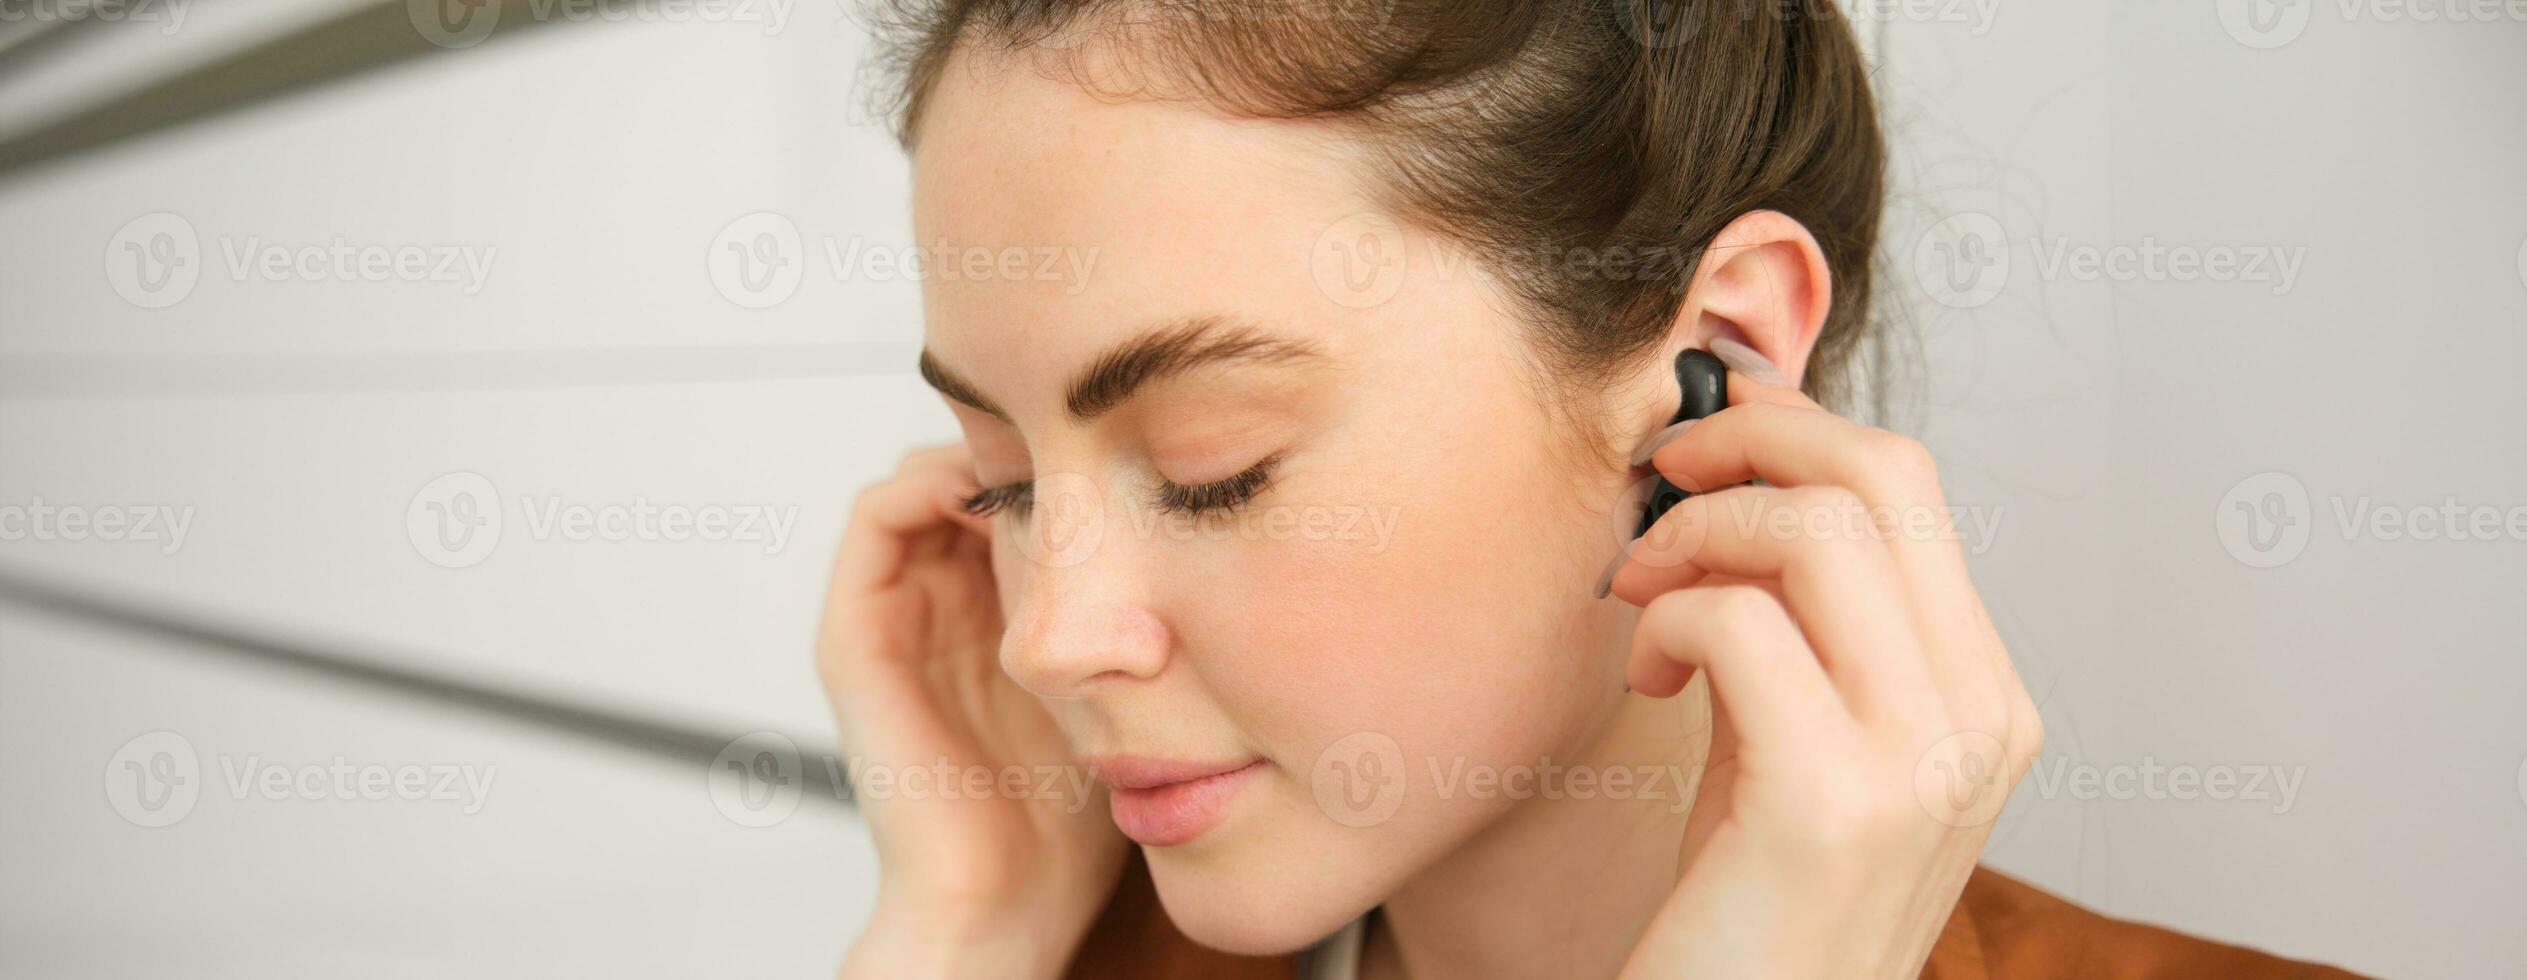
(1660,438)
(1605,579)
(1743,360)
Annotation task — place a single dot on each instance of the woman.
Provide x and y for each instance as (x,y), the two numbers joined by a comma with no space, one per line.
(1302,521)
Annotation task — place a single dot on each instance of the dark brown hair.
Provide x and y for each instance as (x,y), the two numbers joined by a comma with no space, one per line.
(1555,138)
(1588,150)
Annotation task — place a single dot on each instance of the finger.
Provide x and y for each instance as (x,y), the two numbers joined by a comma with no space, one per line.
(1745,389)
(1790,445)
(945,454)
(1763,674)
(884,517)
(1839,581)
(956,459)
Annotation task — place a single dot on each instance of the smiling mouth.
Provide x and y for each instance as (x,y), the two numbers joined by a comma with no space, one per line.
(1161,803)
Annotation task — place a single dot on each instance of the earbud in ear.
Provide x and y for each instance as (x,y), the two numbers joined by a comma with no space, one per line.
(1705,383)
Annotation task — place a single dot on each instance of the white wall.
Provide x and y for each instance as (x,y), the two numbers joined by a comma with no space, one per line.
(2106,423)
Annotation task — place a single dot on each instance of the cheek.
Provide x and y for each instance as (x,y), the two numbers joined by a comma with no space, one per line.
(1441,618)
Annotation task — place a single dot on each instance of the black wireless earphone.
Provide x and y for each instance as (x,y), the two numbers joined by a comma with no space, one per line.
(1705,383)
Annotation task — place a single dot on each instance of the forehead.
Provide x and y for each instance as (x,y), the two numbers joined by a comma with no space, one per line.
(1122,214)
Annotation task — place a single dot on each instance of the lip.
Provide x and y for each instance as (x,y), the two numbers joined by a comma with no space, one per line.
(1165,802)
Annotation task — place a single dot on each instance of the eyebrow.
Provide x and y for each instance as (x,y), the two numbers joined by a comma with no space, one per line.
(1125,368)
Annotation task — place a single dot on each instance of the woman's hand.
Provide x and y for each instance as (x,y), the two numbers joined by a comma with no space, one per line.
(1867,723)
(1003,883)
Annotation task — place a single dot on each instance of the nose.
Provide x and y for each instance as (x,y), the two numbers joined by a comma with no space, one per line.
(1078,615)
(1073,634)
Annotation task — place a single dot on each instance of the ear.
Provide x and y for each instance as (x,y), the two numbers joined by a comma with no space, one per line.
(1764,283)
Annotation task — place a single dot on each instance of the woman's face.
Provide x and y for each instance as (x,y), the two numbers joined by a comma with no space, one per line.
(1405,598)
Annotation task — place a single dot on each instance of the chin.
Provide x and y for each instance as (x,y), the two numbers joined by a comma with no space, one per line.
(1266,911)
(1272,882)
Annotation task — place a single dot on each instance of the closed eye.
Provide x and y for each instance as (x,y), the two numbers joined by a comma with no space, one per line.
(1228,494)
(1224,495)
(989,500)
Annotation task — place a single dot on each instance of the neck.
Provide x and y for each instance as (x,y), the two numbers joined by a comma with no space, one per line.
(1559,886)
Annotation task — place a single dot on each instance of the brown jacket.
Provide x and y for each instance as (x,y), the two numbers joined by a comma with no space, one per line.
(2002,929)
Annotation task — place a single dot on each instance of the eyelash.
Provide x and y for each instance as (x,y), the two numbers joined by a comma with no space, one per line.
(1224,495)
